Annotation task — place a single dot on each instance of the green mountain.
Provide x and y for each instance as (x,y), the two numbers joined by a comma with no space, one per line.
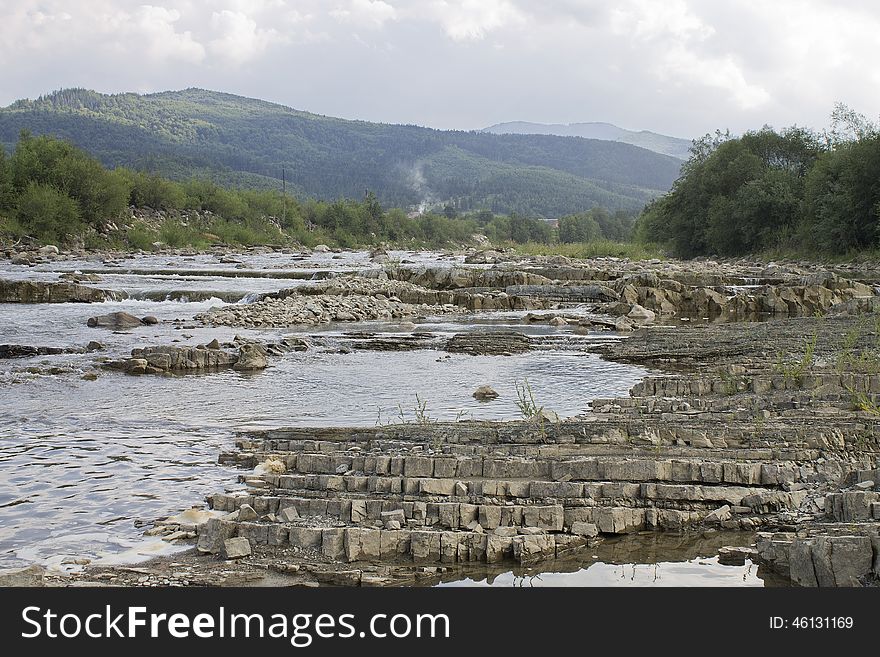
(673,146)
(248,142)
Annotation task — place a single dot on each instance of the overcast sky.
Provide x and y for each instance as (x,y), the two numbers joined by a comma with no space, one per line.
(681,67)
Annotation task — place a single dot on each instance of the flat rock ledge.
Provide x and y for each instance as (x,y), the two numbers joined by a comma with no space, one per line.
(169,359)
(54,292)
(488,343)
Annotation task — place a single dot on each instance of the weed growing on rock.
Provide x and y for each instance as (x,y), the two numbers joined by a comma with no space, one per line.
(862,401)
(528,407)
(795,371)
(730,382)
(868,360)
(525,400)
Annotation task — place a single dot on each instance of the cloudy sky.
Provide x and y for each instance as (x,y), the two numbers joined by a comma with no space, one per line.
(682,67)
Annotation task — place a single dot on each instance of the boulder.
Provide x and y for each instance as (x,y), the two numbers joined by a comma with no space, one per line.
(236,548)
(247,513)
(30,576)
(251,357)
(831,560)
(132,365)
(532,548)
(719,515)
(641,315)
(213,535)
(115,321)
(485,393)
(545,415)
(288,514)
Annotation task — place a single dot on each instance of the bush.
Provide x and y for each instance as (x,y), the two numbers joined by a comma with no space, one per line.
(153,191)
(52,162)
(140,237)
(48,214)
(176,235)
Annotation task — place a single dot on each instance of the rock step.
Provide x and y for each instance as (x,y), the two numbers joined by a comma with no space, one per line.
(363,506)
(261,450)
(714,431)
(793,400)
(350,544)
(673,495)
(18,291)
(543,472)
(757,383)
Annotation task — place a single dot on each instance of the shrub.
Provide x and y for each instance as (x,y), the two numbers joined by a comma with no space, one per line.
(47,213)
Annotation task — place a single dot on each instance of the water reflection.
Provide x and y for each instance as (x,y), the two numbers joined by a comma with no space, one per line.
(644,559)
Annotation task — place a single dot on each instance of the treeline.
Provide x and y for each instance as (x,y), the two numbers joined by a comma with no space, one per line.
(768,190)
(54,192)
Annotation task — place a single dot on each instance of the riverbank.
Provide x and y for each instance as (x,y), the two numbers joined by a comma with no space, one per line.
(758,419)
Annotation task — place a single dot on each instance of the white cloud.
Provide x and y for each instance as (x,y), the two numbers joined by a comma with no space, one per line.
(365,13)
(644,19)
(674,38)
(155,25)
(680,66)
(238,39)
(473,20)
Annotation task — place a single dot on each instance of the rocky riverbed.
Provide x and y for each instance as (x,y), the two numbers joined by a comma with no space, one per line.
(750,416)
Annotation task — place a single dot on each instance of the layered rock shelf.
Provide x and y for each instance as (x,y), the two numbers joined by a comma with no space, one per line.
(731,444)
(14,291)
(634,298)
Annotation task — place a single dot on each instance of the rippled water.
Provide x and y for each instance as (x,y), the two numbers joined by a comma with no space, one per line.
(81,461)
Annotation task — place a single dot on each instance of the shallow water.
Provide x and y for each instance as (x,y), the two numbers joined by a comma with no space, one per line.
(81,462)
(655,559)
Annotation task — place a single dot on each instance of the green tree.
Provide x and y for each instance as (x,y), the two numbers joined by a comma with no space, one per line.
(61,165)
(48,213)
(7,191)
(579,228)
(152,191)
(734,196)
(842,198)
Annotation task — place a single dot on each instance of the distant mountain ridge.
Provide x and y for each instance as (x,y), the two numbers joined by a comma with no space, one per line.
(249,142)
(664,144)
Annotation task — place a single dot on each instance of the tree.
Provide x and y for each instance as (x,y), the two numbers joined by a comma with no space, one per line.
(579,228)
(62,166)
(842,198)
(48,213)
(735,196)
(7,191)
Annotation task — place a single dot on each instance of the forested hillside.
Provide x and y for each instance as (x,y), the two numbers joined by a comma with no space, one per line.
(245,142)
(674,146)
(53,192)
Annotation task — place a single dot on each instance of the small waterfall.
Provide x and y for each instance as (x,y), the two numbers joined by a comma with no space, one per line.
(252,297)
